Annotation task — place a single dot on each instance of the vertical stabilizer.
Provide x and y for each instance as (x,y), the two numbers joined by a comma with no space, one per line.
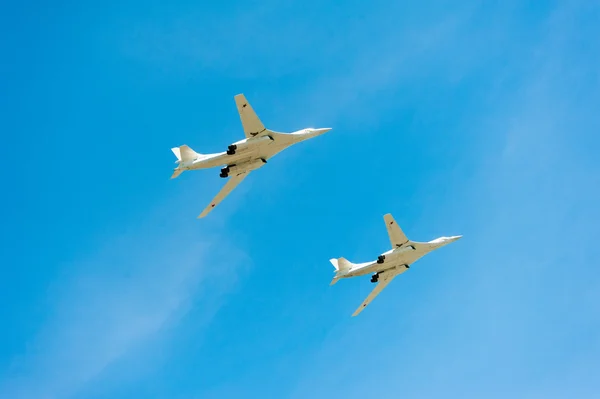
(183,154)
(187,154)
(342,265)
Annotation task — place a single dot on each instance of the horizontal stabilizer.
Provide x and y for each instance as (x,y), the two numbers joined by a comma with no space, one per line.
(176,173)
(177,153)
(334,262)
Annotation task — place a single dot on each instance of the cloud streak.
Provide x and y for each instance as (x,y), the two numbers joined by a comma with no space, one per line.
(504,322)
(111,303)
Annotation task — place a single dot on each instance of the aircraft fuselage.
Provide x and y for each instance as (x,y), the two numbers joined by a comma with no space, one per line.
(398,258)
(246,151)
(243,156)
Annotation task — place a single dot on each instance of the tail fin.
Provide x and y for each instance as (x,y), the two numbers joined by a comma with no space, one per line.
(185,153)
(341,265)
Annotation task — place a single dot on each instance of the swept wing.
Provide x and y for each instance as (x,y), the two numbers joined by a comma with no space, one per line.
(397,236)
(250,121)
(227,188)
(385,278)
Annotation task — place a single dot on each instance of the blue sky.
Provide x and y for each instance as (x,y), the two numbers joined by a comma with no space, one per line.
(472,118)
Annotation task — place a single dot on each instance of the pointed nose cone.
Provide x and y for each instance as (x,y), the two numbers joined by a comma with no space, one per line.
(317,132)
(322,130)
(454,238)
(309,133)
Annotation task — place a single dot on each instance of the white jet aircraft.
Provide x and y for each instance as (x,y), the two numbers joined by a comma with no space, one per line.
(389,264)
(243,156)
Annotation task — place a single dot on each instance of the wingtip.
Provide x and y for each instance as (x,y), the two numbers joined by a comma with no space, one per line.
(360,309)
(207,210)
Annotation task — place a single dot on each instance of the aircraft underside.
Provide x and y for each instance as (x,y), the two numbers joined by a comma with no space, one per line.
(377,268)
(390,264)
(246,157)
(242,157)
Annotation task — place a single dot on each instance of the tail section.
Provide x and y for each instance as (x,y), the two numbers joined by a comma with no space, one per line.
(177,153)
(341,265)
(183,154)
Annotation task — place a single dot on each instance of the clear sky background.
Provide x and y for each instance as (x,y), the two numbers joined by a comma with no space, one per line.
(473,118)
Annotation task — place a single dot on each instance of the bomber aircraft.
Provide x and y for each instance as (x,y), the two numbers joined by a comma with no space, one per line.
(389,264)
(243,156)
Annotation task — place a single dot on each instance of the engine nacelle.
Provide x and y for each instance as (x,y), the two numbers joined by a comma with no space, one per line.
(251,143)
(245,167)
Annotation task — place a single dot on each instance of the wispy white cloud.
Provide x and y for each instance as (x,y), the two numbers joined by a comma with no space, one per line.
(103,307)
(132,288)
(384,65)
(526,290)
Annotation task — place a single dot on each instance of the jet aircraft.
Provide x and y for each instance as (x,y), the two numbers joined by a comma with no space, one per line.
(243,156)
(389,264)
